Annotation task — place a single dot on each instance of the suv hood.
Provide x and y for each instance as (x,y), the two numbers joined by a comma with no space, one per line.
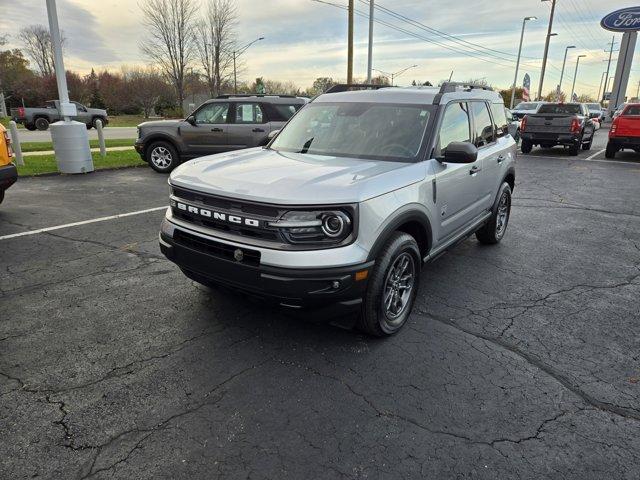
(159,123)
(264,175)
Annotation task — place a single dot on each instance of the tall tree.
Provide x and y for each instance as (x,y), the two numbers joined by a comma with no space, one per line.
(169,41)
(147,87)
(37,45)
(215,41)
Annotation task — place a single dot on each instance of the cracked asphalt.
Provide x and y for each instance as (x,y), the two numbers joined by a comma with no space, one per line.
(520,361)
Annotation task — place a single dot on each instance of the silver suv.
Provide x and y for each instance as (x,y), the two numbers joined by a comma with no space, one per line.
(344,206)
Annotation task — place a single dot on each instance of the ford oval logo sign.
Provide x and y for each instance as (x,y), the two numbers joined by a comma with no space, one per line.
(625,20)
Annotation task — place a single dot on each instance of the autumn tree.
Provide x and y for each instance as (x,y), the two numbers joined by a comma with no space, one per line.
(169,41)
(37,45)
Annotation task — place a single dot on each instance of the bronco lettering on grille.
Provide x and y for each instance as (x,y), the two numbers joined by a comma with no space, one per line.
(219,216)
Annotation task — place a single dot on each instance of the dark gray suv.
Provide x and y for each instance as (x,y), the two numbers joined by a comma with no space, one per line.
(228,122)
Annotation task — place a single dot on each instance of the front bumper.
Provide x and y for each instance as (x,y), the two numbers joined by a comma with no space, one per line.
(8,176)
(552,138)
(330,290)
(139,146)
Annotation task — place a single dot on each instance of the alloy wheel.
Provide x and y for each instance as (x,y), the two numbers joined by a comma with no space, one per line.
(398,286)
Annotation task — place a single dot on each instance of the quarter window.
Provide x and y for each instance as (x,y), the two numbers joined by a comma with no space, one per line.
(485,133)
(213,113)
(249,113)
(455,125)
(501,119)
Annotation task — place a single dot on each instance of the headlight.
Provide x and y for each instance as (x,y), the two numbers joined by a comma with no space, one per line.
(319,227)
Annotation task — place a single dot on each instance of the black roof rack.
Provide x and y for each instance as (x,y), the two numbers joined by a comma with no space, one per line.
(245,95)
(448,87)
(349,87)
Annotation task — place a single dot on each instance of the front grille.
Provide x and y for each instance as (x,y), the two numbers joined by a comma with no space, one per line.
(263,213)
(216,249)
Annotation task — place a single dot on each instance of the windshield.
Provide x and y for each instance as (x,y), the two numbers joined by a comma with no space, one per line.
(527,106)
(560,109)
(360,130)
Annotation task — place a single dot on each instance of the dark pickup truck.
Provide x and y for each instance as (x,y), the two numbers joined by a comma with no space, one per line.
(566,124)
(39,118)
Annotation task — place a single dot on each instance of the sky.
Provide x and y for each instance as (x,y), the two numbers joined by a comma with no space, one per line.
(305,39)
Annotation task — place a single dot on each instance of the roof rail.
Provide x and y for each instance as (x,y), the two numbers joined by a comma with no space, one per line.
(349,87)
(448,87)
(245,95)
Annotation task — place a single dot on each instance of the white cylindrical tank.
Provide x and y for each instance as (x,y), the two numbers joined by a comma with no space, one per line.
(71,146)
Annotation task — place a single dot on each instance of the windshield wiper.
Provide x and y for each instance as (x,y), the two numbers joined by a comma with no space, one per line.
(307,144)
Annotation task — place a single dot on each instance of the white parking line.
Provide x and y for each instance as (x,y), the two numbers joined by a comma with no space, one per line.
(595,155)
(84,222)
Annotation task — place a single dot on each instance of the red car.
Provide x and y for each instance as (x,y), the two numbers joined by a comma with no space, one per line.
(625,131)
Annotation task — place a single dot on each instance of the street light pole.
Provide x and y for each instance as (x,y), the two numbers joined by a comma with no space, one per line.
(350,44)
(236,54)
(515,78)
(564,62)
(396,74)
(546,47)
(602,77)
(370,52)
(613,42)
(575,76)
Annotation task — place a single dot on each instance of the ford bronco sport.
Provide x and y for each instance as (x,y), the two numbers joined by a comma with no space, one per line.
(342,208)
(228,122)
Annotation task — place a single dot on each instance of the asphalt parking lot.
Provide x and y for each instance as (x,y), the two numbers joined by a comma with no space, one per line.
(519,361)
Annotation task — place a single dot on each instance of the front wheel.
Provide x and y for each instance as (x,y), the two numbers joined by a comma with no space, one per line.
(392,287)
(526,146)
(494,230)
(162,157)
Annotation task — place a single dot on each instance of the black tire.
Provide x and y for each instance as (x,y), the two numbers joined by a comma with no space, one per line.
(1,195)
(375,318)
(574,149)
(611,151)
(162,156)
(493,231)
(587,146)
(526,146)
(546,145)
(89,126)
(30,126)
(42,124)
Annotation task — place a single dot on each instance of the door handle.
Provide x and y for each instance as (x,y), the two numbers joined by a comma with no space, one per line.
(217,130)
(475,169)
(501,159)
(257,130)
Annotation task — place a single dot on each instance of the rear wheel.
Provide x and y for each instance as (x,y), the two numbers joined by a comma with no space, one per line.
(42,124)
(162,157)
(611,151)
(103,120)
(392,287)
(574,149)
(494,230)
(526,146)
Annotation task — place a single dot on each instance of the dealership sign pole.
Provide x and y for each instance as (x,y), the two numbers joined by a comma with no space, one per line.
(626,21)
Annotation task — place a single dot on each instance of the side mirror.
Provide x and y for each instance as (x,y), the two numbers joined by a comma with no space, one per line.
(460,152)
(272,134)
(191,119)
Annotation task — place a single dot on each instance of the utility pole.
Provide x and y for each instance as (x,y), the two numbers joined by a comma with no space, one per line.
(575,76)
(370,53)
(613,42)
(564,62)
(600,87)
(515,78)
(350,45)
(638,91)
(546,47)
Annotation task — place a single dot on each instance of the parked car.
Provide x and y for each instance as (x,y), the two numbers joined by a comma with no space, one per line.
(597,112)
(625,131)
(514,125)
(567,124)
(340,210)
(229,122)
(8,172)
(525,108)
(39,118)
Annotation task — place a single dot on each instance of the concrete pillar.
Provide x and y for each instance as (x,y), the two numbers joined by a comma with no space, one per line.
(623,69)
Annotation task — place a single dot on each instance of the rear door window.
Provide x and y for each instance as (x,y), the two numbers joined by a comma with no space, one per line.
(286,111)
(248,113)
(485,133)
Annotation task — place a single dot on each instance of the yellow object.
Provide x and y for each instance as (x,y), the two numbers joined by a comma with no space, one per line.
(362,275)
(5,147)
